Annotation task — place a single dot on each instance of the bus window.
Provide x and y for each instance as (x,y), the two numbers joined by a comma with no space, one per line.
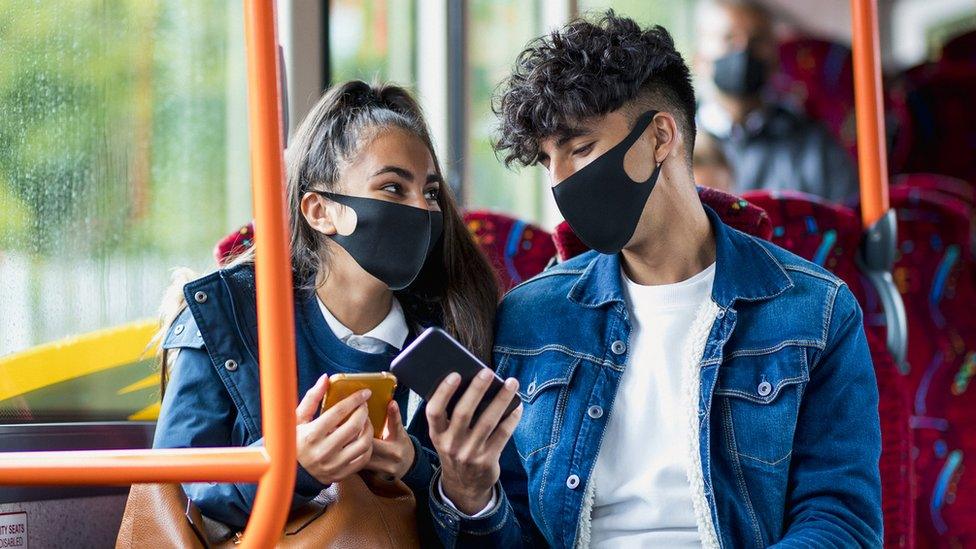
(118,161)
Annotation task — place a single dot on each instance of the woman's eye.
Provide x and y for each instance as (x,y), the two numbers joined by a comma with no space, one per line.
(394,188)
(432,194)
(585,149)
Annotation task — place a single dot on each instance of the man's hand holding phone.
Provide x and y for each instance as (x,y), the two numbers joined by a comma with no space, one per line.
(470,452)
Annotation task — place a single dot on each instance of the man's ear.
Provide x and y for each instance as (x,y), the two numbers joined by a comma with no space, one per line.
(665,131)
(319,212)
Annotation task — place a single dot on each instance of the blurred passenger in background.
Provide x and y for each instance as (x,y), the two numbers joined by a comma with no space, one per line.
(710,165)
(768,145)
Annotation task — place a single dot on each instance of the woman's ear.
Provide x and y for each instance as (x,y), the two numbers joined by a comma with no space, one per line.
(319,213)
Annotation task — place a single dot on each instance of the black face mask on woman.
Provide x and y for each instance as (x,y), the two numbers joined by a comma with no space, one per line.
(601,202)
(740,73)
(390,241)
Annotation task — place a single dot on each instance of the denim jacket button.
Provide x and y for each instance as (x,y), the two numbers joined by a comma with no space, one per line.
(595,412)
(618,347)
(572,482)
(764,389)
(721,314)
(200,297)
(530,390)
(230,365)
(178,330)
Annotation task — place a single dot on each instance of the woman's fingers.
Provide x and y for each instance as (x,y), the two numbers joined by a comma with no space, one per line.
(437,405)
(331,418)
(312,400)
(350,430)
(394,425)
(359,449)
(493,413)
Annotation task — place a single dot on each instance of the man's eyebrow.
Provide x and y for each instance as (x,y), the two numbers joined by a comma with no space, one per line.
(402,172)
(568,134)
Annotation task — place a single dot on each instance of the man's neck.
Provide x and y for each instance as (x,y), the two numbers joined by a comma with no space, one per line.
(676,244)
(357,300)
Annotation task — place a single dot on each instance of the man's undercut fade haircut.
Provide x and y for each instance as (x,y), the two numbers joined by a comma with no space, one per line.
(590,69)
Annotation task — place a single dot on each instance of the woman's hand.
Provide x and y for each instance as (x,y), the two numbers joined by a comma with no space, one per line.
(470,453)
(393,455)
(339,442)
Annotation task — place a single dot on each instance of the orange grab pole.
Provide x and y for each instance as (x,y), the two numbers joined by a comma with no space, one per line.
(276,330)
(869,109)
(273,465)
(129,466)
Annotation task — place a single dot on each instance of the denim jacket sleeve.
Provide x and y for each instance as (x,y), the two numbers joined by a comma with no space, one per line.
(197,412)
(835,486)
(508,524)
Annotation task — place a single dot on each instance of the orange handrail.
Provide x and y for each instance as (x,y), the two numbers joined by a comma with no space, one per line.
(869,109)
(274,465)
(276,321)
(130,466)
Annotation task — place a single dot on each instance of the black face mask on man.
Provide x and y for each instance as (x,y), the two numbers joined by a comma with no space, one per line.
(740,73)
(601,202)
(389,241)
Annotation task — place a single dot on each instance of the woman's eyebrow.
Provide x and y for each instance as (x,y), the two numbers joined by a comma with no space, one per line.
(397,170)
(435,178)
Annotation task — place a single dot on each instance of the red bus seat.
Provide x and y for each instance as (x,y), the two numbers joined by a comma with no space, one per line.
(941,131)
(818,75)
(961,49)
(829,235)
(517,250)
(934,273)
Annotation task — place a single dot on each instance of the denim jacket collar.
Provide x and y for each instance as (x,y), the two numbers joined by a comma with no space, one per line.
(764,278)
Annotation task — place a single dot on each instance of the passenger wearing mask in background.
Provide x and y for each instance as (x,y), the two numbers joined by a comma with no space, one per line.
(769,146)
(684,384)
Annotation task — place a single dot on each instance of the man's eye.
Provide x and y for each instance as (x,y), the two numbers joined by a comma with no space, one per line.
(585,149)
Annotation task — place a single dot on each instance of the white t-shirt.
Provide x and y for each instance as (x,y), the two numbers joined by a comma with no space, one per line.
(642,494)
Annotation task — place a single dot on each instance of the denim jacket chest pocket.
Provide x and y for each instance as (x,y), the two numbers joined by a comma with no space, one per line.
(544,382)
(758,398)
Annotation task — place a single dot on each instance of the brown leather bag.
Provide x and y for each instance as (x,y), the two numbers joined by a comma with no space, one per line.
(360,511)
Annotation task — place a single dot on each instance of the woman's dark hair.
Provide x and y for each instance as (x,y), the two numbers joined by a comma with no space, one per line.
(590,69)
(456,287)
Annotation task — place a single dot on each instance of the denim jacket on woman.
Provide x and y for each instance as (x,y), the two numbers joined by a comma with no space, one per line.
(213,395)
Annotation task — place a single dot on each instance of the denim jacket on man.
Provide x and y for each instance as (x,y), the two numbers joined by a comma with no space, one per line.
(787,410)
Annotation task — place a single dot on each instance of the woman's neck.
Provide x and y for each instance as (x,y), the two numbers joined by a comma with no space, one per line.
(356,299)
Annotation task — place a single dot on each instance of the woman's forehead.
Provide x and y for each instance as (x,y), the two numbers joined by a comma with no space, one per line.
(394,147)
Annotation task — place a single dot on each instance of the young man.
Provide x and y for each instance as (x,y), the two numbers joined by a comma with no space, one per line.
(683,385)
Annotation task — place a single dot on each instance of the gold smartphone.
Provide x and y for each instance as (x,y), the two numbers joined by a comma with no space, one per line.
(382,385)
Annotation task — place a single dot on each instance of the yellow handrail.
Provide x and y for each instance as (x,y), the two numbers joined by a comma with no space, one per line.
(274,465)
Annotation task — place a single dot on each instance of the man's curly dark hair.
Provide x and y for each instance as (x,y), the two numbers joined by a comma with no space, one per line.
(589,69)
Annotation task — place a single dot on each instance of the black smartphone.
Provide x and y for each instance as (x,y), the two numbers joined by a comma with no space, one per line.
(424,364)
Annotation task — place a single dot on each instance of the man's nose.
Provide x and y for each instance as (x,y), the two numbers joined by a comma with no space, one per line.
(560,171)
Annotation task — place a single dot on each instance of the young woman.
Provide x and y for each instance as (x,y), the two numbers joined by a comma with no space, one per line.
(378,251)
